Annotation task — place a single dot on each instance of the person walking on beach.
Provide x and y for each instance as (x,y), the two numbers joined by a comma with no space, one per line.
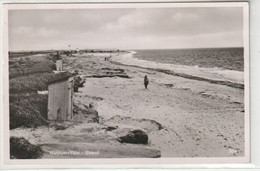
(146,81)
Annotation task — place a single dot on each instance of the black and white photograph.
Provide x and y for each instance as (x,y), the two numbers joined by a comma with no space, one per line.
(127,80)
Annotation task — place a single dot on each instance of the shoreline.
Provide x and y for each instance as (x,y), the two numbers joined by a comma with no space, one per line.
(222,77)
(175,102)
(220,82)
(182,117)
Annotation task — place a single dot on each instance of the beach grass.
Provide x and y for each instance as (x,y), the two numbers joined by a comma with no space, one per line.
(18,70)
(27,107)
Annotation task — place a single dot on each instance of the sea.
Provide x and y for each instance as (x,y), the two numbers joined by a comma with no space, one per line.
(222,58)
(215,65)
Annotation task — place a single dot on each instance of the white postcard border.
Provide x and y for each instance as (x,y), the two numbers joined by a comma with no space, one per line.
(65,163)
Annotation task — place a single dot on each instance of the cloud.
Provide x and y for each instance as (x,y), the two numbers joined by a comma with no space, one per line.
(175,21)
(126,28)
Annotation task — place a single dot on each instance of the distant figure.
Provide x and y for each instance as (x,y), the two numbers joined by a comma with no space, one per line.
(146,81)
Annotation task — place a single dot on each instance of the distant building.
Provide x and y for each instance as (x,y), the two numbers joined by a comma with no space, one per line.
(60,98)
(59,65)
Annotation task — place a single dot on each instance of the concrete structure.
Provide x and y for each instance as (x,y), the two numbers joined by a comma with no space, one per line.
(60,98)
(59,65)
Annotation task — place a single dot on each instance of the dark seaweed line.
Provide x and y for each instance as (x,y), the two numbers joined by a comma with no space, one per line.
(226,83)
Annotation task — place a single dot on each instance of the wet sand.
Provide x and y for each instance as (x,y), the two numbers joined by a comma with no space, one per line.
(198,118)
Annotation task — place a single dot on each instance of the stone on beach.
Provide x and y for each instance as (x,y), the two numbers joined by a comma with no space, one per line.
(110,128)
(181,120)
(134,137)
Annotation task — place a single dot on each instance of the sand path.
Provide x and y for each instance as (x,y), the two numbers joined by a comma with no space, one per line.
(199,118)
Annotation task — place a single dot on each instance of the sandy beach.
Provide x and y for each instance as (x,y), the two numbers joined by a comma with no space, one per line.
(182,117)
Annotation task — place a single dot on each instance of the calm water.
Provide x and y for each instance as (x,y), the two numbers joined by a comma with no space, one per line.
(224,58)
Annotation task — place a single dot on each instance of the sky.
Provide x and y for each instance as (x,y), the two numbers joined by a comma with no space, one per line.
(128,28)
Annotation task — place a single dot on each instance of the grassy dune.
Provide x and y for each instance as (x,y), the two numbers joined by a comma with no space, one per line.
(28,110)
(26,77)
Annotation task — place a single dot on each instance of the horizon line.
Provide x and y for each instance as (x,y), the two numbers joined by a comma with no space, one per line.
(35,50)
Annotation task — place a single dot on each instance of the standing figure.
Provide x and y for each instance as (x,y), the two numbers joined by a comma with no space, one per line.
(146,81)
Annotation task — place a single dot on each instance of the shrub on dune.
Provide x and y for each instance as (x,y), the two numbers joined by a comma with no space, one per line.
(20,148)
(28,110)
